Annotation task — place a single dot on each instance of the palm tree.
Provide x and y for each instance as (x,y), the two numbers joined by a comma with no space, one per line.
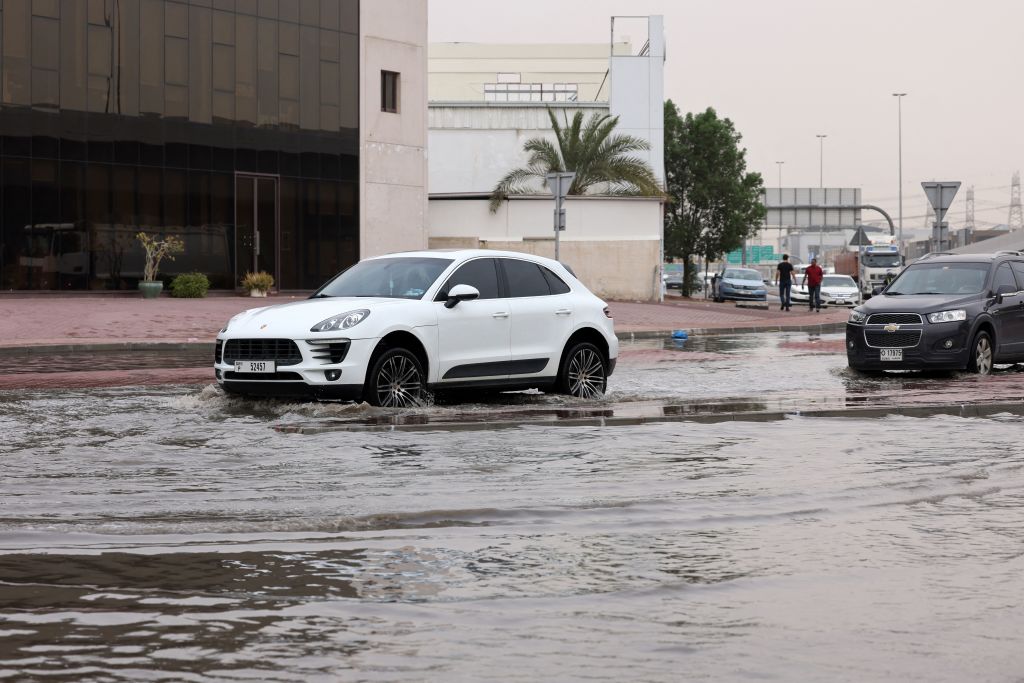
(603,162)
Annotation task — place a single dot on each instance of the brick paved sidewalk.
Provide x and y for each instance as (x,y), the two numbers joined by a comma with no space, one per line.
(33,321)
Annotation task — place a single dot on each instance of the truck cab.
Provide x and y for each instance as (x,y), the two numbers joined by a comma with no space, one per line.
(878,261)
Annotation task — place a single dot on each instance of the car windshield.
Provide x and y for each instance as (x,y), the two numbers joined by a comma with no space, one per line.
(881,260)
(838,281)
(742,275)
(407,277)
(940,278)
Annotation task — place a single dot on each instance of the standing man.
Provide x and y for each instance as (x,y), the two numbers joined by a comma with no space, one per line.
(784,279)
(812,278)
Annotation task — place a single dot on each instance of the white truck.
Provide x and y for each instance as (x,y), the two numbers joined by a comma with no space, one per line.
(870,266)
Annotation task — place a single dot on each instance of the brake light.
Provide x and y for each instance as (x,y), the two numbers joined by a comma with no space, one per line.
(607,312)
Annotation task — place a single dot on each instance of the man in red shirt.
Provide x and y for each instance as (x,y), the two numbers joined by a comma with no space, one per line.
(812,278)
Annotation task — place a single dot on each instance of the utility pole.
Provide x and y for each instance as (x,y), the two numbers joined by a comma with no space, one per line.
(1016,220)
(821,160)
(899,127)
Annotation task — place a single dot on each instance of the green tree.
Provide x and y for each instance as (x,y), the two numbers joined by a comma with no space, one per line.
(603,161)
(713,203)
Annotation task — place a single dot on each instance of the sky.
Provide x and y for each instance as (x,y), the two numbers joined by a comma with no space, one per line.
(785,71)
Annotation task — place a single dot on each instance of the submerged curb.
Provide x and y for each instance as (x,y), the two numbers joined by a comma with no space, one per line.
(103,347)
(966,409)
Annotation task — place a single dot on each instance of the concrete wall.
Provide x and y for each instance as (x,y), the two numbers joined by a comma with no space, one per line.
(458,71)
(638,95)
(613,244)
(393,146)
(473,147)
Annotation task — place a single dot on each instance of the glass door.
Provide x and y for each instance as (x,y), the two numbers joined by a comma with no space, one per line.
(256,226)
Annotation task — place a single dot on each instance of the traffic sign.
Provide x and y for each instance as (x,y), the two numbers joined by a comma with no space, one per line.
(940,195)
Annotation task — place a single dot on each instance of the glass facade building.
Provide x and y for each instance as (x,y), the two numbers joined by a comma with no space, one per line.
(232,124)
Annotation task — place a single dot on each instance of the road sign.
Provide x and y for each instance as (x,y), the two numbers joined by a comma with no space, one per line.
(755,254)
(559,184)
(860,238)
(940,195)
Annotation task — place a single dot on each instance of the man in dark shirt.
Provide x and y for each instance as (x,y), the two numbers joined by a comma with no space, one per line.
(784,278)
(812,278)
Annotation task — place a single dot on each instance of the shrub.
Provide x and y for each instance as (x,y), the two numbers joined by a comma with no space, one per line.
(190,286)
(261,281)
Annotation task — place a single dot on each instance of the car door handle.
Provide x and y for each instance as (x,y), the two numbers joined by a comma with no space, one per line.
(563,311)
(499,315)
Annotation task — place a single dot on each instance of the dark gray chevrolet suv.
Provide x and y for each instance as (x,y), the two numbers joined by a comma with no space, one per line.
(944,312)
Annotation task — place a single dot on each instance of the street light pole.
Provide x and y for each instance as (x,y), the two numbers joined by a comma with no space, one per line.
(779,164)
(821,160)
(899,124)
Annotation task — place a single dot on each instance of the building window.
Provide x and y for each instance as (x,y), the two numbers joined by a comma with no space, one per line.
(530,92)
(389,81)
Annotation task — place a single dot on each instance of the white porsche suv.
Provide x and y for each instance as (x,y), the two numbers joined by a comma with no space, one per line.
(389,329)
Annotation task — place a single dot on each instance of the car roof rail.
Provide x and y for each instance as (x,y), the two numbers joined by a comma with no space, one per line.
(1008,252)
(932,254)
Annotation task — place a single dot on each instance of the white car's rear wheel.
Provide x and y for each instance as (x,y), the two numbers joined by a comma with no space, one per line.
(396,380)
(584,372)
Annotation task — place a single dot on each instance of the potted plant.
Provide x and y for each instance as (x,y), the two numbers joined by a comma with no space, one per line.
(156,251)
(258,283)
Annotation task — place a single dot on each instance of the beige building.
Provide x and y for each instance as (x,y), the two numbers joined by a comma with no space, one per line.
(485,101)
(393,144)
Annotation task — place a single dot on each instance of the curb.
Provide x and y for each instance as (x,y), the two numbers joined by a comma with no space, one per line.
(821,328)
(980,409)
(131,347)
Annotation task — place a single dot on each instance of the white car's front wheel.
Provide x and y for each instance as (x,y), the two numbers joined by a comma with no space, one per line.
(396,380)
(584,372)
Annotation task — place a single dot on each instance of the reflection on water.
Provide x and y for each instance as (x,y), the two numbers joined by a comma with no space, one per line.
(175,534)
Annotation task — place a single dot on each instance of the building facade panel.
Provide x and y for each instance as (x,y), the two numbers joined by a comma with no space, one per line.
(231,125)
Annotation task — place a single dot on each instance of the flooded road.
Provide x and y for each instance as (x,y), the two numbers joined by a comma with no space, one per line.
(171,533)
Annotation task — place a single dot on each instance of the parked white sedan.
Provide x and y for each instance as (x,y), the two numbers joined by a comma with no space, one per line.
(391,328)
(836,290)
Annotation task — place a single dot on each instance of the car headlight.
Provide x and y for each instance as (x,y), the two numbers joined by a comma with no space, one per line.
(341,322)
(947,316)
(857,316)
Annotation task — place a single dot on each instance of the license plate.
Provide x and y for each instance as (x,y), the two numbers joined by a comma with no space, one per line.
(255,366)
(891,354)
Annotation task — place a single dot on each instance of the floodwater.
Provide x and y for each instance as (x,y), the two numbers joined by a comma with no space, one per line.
(174,534)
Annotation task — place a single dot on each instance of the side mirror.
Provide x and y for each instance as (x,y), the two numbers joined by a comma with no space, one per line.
(876,291)
(461,293)
(1003,290)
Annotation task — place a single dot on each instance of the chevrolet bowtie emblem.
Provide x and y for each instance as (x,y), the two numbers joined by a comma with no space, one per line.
(891,327)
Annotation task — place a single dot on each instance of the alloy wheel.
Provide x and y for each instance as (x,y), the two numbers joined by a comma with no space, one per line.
(983,355)
(399,383)
(586,374)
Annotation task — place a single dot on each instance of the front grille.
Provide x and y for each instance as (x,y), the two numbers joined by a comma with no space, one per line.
(897,318)
(281,351)
(880,339)
(329,351)
(218,351)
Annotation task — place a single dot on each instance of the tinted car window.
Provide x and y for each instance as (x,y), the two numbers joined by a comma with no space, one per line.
(1018,270)
(555,283)
(1004,276)
(524,278)
(480,273)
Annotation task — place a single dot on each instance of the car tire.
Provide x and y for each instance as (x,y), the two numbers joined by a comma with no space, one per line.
(982,354)
(584,372)
(396,380)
